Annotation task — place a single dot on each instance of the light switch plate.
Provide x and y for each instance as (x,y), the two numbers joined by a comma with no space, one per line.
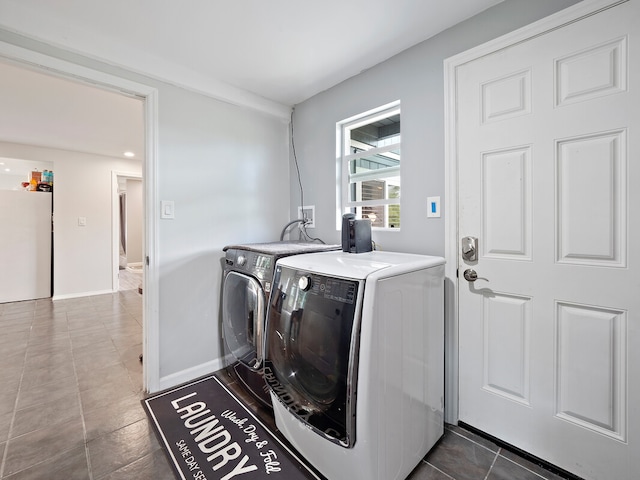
(167,209)
(433,207)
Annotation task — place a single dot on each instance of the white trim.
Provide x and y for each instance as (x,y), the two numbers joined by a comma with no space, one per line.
(151,280)
(450,247)
(368,151)
(65,69)
(374,203)
(585,8)
(189,374)
(371,115)
(558,20)
(379,174)
(67,296)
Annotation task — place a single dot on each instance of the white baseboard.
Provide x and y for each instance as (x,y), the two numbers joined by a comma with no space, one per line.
(80,295)
(184,376)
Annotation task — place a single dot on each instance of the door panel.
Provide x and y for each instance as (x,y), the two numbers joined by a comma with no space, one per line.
(506,203)
(506,367)
(591,373)
(549,333)
(588,165)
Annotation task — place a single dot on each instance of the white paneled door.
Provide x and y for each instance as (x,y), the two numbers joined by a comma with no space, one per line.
(548,149)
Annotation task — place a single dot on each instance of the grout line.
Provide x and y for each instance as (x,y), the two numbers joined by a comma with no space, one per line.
(440,471)
(15,404)
(523,467)
(84,426)
(475,443)
(499,454)
(492,464)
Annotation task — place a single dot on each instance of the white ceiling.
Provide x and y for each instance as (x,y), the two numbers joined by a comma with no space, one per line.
(43,110)
(284,51)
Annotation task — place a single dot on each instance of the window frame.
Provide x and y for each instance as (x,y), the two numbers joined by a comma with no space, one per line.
(344,158)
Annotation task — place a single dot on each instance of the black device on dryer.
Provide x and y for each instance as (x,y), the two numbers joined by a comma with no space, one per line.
(248,276)
(356,234)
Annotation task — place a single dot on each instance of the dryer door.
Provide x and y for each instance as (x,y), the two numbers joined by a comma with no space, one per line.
(243,312)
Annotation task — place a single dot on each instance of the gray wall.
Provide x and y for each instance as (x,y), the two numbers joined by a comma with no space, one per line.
(226,169)
(416,78)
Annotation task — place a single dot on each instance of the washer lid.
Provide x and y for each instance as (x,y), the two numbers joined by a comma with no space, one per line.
(360,265)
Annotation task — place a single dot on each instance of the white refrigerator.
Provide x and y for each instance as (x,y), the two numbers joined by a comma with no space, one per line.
(25,245)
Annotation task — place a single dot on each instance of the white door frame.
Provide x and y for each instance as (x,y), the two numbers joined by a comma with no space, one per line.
(115,225)
(55,66)
(552,22)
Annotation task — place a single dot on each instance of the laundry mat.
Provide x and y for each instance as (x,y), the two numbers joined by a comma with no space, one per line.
(210,435)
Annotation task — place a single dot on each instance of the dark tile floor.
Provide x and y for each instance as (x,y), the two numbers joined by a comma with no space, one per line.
(459,455)
(70,391)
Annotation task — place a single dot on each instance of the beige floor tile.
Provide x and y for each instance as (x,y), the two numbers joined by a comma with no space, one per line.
(115,450)
(54,412)
(71,465)
(43,444)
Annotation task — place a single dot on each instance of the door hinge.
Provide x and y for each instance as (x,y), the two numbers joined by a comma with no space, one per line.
(147,260)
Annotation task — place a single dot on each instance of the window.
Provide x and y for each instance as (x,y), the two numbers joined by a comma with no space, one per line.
(369,158)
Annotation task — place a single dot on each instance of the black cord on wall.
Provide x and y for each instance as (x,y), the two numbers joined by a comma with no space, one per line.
(295,159)
(302,221)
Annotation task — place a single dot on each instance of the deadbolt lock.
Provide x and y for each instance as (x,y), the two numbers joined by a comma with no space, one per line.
(469,247)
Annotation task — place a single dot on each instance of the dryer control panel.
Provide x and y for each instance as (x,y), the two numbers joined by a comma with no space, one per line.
(256,264)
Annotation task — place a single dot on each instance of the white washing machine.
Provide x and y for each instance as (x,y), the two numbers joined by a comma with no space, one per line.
(355,358)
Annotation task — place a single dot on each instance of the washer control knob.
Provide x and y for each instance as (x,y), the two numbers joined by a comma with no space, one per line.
(304,283)
(242,260)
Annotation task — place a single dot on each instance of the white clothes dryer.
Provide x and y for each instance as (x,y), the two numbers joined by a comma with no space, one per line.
(355,360)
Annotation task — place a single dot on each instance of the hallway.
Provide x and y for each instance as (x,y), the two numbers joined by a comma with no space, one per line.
(71,389)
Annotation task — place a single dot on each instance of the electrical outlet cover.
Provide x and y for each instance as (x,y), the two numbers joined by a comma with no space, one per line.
(308,212)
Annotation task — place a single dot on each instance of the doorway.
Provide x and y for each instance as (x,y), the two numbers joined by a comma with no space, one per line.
(127,231)
(149,95)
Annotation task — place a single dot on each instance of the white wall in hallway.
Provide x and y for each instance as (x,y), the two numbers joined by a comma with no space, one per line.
(14,171)
(135,221)
(12,182)
(82,188)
